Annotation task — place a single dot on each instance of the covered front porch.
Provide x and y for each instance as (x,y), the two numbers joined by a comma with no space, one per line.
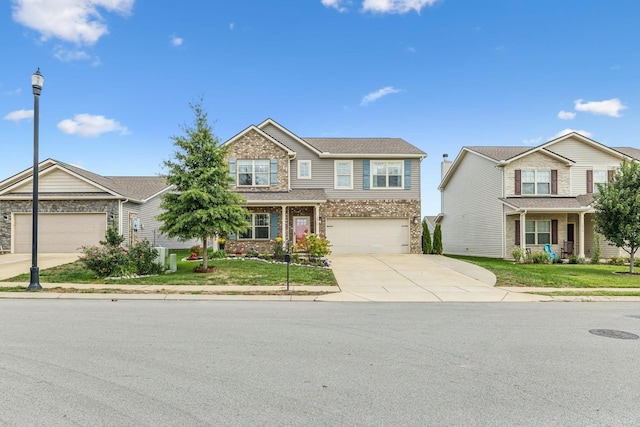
(288,215)
(564,223)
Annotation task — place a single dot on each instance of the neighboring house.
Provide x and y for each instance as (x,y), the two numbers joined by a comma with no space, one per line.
(76,207)
(363,194)
(497,198)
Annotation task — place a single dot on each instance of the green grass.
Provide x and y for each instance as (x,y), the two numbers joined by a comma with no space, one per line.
(556,275)
(242,272)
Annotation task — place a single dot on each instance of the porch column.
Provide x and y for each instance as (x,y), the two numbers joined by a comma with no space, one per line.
(316,210)
(523,235)
(581,234)
(284,223)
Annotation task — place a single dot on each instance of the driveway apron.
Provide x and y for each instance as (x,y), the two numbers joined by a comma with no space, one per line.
(415,278)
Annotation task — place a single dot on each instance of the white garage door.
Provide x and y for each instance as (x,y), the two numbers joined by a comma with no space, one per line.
(368,235)
(59,233)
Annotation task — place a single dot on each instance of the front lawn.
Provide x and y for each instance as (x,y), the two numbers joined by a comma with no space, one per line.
(556,275)
(245,272)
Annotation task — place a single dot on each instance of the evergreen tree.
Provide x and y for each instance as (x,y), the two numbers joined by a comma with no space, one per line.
(426,238)
(437,240)
(617,209)
(202,203)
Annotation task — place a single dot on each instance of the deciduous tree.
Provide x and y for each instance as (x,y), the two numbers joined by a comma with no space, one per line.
(617,209)
(202,203)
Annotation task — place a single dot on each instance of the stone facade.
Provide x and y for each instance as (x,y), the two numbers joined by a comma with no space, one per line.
(254,146)
(377,209)
(7,207)
(538,161)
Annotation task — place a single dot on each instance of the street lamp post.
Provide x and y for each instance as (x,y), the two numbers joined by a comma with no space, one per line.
(36,83)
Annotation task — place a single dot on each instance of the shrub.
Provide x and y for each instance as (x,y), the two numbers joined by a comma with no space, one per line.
(426,239)
(541,258)
(142,257)
(437,240)
(278,249)
(112,237)
(314,245)
(252,253)
(106,260)
(617,260)
(597,251)
(197,249)
(518,254)
(221,253)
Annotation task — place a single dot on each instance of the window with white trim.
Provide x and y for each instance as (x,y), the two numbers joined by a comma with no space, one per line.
(253,173)
(600,177)
(386,174)
(536,182)
(259,227)
(304,169)
(343,174)
(537,232)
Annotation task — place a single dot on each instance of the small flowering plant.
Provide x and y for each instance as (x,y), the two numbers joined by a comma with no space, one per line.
(193,256)
(222,240)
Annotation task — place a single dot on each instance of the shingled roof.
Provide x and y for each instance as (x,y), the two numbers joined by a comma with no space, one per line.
(499,152)
(364,146)
(549,203)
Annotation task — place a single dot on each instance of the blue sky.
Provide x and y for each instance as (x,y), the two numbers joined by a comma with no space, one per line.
(119,74)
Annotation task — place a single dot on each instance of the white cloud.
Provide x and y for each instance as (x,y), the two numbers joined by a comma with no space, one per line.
(18,115)
(65,55)
(532,141)
(232,26)
(176,41)
(91,126)
(410,49)
(566,115)
(395,6)
(610,107)
(336,4)
(374,96)
(77,21)
(566,131)
(16,91)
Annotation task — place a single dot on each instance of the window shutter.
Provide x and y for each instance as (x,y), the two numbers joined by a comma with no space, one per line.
(589,181)
(518,182)
(609,176)
(274,225)
(554,231)
(232,171)
(554,181)
(407,174)
(517,232)
(274,172)
(365,174)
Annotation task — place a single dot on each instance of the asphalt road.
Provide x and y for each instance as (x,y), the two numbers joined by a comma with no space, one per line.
(187,363)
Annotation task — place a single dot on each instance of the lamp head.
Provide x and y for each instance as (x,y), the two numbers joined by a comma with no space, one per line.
(37,81)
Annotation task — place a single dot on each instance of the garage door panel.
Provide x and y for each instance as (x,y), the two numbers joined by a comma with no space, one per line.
(60,232)
(366,235)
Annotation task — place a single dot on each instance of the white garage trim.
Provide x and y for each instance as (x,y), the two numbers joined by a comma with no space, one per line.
(58,232)
(369,235)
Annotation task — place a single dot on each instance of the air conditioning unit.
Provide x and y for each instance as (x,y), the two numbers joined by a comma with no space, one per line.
(163,253)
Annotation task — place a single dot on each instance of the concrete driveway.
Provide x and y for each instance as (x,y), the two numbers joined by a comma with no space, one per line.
(415,278)
(14,264)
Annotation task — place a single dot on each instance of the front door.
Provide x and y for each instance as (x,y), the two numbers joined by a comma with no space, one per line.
(571,232)
(301,225)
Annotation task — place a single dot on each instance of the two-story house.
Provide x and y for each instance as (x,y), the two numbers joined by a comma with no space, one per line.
(363,194)
(495,198)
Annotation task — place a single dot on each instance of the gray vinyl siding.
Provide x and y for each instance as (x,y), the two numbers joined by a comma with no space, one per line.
(59,181)
(322,173)
(128,208)
(151,227)
(585,157)
(473,214)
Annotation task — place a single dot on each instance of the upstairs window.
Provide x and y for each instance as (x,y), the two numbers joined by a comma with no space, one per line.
(343,174)
(599,177)
(253,173)
(536,182)
(304,169)
(386,174)
(259,227)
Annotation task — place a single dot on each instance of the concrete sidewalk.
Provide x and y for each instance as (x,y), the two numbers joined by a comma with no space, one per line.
(361,278)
